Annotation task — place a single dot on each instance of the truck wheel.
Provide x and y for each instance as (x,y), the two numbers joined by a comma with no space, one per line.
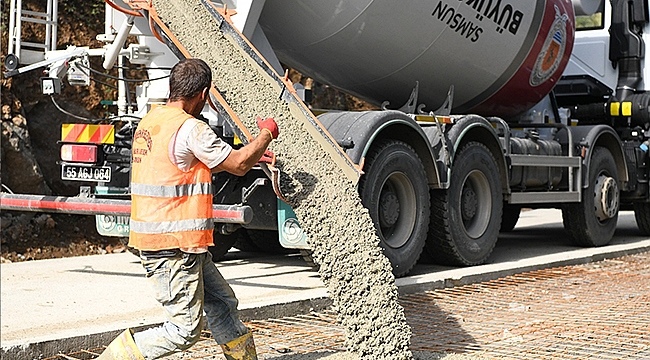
(592,222)
(244,242)
(395,191)
(466,217)
(642,215)
(222,243)
(510,217)
(267,241)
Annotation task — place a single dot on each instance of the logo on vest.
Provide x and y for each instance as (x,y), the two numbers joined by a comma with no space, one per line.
(141,139)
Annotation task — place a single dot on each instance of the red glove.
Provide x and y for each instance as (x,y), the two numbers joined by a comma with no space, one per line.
(268,157)
(270,125)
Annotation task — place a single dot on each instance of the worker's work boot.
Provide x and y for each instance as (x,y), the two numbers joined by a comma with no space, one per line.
(242,348)
(122,348)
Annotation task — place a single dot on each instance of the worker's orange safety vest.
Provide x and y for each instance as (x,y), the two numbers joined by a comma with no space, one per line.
(169,208)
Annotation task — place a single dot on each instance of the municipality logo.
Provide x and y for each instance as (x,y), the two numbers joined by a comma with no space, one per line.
(552,51)
(291,231)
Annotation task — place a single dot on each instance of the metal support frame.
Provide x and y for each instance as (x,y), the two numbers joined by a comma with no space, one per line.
(246,192)
(571,162)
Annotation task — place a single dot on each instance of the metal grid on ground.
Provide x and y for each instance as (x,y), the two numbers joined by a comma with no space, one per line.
(597,311)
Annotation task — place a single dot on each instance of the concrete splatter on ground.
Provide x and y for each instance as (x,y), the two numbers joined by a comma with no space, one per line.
(341,233)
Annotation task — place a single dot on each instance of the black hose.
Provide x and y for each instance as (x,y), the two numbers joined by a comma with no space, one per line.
(117,77)
(96,120)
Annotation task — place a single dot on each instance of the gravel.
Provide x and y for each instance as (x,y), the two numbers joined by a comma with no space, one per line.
(358,276)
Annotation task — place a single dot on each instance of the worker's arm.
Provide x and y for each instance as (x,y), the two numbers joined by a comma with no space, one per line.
(240,161)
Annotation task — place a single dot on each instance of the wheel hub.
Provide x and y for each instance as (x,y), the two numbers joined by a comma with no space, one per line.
(469,203)
(396,210)
(388,209)
(606,197)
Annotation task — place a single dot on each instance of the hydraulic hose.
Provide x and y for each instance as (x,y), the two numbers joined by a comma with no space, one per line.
(121,9)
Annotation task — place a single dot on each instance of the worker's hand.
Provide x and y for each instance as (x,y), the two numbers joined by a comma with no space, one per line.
(268,157)
(270,125)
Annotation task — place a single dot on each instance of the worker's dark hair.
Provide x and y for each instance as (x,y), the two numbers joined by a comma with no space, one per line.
(188,78)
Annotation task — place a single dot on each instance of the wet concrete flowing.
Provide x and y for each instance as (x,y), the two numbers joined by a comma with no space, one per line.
(341,233)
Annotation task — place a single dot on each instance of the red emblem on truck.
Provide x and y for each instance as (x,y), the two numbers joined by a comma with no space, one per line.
(550,57)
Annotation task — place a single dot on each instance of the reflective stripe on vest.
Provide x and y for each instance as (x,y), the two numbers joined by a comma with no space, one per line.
(171,190)
(147,227)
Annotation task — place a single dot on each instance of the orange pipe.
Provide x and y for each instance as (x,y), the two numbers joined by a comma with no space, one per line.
(121,9)
(153,29)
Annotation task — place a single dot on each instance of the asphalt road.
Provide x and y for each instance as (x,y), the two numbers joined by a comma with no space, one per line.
(540,233)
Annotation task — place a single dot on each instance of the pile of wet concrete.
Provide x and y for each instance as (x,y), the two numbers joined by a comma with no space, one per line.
(342,236)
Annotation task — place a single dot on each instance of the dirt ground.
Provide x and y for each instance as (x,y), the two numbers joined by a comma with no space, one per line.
(35,236)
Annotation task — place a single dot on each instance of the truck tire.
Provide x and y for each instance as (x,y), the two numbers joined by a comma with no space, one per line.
(222,243)
(267,241)
(244,243)
(510,217)
(592,221)
(395,191)
(642,215)
(466,218)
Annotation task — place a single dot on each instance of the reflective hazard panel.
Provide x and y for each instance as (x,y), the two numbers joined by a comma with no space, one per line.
(237,141)
(88,133)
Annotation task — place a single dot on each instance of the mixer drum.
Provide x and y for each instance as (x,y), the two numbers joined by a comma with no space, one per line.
(502,56)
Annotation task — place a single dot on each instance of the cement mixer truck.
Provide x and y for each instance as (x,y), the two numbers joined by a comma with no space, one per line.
(486,107)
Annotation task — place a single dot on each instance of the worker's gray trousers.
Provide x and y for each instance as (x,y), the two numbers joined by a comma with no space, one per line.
(186,285)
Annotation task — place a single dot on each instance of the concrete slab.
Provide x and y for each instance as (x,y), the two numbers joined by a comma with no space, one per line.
(91,298)
(53,299)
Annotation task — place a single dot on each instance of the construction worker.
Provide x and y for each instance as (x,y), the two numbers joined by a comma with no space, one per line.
(174,154)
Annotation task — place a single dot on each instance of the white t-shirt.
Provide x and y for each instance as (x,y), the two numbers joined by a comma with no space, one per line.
(196,141)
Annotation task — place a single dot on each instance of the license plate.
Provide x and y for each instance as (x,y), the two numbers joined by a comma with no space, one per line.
(86,173)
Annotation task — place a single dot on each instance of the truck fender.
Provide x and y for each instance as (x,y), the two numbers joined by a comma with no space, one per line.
(589,137)
(467,128)
(357,131)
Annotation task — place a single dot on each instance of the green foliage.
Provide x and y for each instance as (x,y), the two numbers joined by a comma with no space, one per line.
(4,16)
(87,11)
(594,21)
